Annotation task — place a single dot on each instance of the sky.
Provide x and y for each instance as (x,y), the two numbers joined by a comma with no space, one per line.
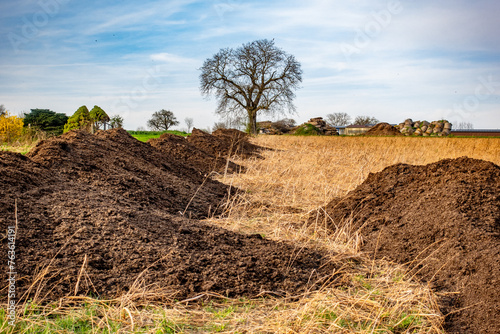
(392,60)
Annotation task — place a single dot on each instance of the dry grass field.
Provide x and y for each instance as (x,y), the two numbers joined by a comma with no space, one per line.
(299,175)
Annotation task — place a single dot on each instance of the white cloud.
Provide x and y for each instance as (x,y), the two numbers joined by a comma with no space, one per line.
(171,58)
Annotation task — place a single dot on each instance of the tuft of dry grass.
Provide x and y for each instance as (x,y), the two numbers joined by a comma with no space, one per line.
(299,175)
(25,142)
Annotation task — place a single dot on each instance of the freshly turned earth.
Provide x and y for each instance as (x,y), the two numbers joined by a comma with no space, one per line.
(224,143)
(383,129)
(120,216)
(180,149)
(443,221)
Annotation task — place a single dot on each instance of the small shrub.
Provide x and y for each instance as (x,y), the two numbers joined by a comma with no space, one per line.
(11,127)
(307,130)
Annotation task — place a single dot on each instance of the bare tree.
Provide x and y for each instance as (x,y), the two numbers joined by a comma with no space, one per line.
(2,110)
(365,120)
(219,125)
(189,123)
(338,118)
(255,78)
(116,121)
(465,126)
(162,120)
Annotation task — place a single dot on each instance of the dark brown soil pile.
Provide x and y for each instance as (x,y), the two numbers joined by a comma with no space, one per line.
(103,210)
(383,129)
(114,161)
(236,135)
(225,143)
(443,220)
(179,149)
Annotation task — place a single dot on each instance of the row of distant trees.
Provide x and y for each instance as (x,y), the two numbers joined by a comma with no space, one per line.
(249,81)
(51,122)
(335,119)
(57,123)
(343,119)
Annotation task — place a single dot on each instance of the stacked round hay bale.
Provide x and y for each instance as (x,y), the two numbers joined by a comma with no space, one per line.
(424,128)
(446,128)
(406,127)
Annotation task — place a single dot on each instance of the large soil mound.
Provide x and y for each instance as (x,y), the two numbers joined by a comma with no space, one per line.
(101,214)
(224,143)
(180,149)
(383,129)
(114,161)
(443,220)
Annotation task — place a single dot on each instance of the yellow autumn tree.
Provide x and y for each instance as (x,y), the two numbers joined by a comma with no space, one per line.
(11,127)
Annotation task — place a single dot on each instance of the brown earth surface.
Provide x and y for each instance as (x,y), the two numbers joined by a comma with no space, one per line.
(383,129)
(180,149)
(100,214)
(224,143)
(443,221)
(236,135)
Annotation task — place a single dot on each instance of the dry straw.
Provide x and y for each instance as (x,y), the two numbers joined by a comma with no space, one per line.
(280,194)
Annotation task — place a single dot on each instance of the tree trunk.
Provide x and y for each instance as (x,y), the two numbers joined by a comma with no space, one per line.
(252,118)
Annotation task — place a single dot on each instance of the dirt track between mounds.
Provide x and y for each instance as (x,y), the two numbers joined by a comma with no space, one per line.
(105,209)
(443,221)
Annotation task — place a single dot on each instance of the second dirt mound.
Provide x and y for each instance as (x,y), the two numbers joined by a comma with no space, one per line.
(383,129)
(179,148)
(224,143)
(443,221)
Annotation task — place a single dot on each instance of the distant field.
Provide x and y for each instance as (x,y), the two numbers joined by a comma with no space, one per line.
(144,136)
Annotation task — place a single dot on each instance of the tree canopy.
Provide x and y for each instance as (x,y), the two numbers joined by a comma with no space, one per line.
(257,77)
(338,118)
(162,120)
(46,120)
(79,120)
(98,117)
(116,121)
(189,123)
(365,120)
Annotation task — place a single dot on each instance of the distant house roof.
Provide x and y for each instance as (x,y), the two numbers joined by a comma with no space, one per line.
(475,130)
(355,126)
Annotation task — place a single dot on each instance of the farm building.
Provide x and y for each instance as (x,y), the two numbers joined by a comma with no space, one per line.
(353,130)
(476,133)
